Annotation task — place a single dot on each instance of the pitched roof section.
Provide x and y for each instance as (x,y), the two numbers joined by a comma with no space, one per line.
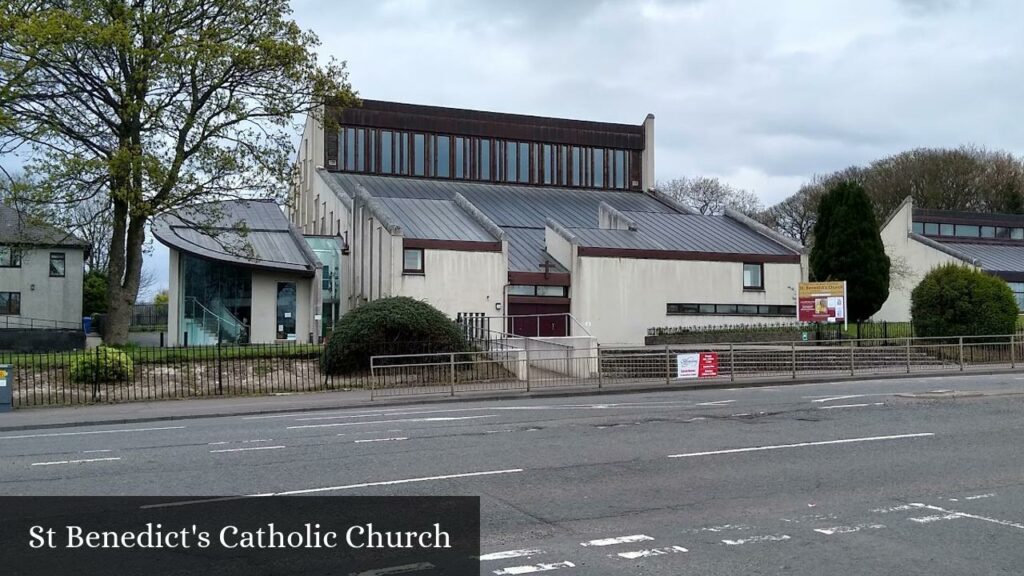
(526,251)
(435,220)
(992,257)
(211,231)
(20,228)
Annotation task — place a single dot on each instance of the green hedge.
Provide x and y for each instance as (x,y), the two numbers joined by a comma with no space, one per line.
(389,326)
(101,365)
(955,300)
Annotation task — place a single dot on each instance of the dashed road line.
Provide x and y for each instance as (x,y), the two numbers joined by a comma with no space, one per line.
(395,439)
(403,569)
(652,552)
(980,496)
(757,539)
(848,529)
(506,554)
(247,449)
(837,406)
(82,461)
(95,451)
(512,570)
(1006,523)
(618,540)
(390,482)
(434,419)
(935,518)
(803,444)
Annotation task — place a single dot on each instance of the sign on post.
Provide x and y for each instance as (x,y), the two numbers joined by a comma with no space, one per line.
(822,302)
(697,365)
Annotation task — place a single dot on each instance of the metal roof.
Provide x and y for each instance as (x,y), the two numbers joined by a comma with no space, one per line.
(700,233)
(993,257)
(626,239)
(212,231)
(20,228)
(505,204)
(526,250)
(435,219)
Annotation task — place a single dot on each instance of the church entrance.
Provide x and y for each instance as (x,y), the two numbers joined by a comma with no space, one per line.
(538,319)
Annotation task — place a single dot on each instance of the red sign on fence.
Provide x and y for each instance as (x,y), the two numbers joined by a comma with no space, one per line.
(702,365)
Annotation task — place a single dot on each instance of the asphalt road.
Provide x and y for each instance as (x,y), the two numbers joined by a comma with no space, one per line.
(850,478)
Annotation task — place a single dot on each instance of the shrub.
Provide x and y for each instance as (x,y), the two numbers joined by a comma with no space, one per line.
(955,300)
(101,365)
(389,326)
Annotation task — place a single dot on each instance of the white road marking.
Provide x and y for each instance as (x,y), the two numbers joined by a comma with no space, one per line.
(972,516)
(980,496)
(535,568)
(756,539)
(390,482)
(74,461)
(804,444)
(848,529)
(619,540)
(95,451)
(652,552)
(834,406)
(936,518)
(434,419)
(497,431)
(218,443)
(510,554)
(404,569)
(381,439)
(721,528)
(715,403)
(246,449)
(901,508)
(832,398)
(120,430)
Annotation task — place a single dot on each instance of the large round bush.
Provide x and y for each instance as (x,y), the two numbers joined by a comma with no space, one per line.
(955,300)
(101,365)
(389,326)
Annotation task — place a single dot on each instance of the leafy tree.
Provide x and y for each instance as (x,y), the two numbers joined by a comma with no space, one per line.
(847,246)
(161,298)
(94,293)
(153,106)
(956,300)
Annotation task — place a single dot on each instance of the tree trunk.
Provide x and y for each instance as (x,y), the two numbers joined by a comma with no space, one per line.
(123,272)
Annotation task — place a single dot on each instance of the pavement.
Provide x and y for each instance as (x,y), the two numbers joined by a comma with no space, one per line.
(900,476)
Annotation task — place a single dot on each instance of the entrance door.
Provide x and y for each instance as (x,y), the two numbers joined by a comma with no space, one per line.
(529,320)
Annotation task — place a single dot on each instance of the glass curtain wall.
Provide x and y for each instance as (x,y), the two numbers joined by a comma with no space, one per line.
(216,301)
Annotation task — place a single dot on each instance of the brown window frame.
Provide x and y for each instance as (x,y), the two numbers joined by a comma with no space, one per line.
(423,262)
(758,288)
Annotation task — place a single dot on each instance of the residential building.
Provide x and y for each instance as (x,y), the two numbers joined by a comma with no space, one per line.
(550,225)
(239,272)
(918,240)
(41,274)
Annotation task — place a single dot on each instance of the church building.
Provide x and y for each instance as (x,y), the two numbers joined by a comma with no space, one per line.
(541,226)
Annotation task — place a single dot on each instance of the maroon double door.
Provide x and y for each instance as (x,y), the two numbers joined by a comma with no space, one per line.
(533,324)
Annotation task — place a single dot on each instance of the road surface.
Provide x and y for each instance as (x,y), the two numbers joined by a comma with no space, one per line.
(888,477)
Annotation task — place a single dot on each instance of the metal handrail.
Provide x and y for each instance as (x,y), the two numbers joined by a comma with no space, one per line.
(230,321)
(19,322)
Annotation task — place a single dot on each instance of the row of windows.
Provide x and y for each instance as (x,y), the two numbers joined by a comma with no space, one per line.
(11,257)
(527,290)
(968,231)
(379,151)
(732,309)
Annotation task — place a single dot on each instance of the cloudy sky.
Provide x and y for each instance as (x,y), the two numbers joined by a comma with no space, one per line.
(761,93)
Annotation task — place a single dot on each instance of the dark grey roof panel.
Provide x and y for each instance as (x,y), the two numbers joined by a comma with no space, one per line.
(526,250)
(698,233)
(20,228)
(993,257)
(435,219)
(625,239)
(271,242)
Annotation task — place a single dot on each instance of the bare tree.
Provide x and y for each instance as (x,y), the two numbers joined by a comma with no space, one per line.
(709,195)
(795,216)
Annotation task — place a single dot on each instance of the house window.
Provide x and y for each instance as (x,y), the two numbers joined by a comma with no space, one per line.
(1018,293)
(918,227)
(555,291)
(10,257)
(945,229)
(10,303)
(56,264)
(516,290)
(412,261)
(753,276)
(931,229)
